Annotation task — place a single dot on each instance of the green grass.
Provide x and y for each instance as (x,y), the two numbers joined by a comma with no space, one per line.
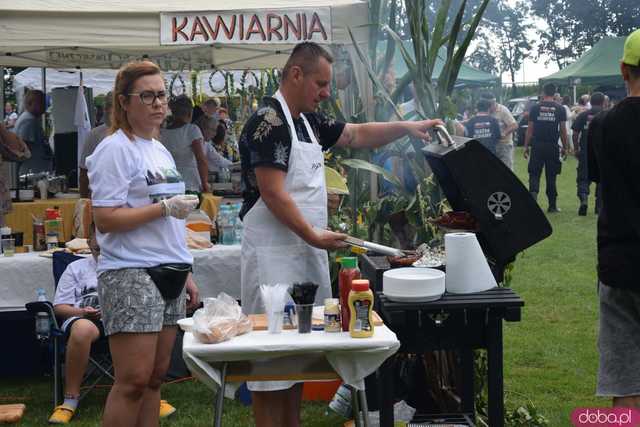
(194,403)
(550,356)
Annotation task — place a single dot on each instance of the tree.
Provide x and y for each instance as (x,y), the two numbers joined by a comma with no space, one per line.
(502,41)
(483,57)
(573,26)
(513,39)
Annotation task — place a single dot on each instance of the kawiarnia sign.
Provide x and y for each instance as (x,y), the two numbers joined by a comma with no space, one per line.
(284,26)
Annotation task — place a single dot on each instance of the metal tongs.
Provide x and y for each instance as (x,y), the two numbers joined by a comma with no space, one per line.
(374,247)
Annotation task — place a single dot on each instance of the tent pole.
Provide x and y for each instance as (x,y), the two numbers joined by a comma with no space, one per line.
(44,91)
(574,93)
(2,93)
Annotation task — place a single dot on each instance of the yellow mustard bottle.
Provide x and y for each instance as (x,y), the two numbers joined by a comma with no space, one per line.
(361,309)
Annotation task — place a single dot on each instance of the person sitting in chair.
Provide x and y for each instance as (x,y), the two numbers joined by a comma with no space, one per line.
(76,303)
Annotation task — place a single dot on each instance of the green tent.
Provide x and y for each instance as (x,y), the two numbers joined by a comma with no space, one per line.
(468,76)
(600,66)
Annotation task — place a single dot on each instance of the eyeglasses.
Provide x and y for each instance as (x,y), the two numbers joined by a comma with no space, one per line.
(149,97)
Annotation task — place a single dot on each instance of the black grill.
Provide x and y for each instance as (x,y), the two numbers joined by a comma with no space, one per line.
(476,181)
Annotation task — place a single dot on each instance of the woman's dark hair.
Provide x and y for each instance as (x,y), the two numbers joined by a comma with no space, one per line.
(181,107)
(221,133)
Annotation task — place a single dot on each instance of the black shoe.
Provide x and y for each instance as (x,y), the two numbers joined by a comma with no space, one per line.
(553,209)
(582,210)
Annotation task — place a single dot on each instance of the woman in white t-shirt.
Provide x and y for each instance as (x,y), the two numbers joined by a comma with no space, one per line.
(184,141)
(139,208)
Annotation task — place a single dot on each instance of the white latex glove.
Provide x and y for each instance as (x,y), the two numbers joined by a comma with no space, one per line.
(179,206)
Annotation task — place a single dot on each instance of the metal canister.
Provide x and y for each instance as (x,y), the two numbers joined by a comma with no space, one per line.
(39,237)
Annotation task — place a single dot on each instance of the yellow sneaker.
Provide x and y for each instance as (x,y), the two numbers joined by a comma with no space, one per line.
(62,415)
(166,409)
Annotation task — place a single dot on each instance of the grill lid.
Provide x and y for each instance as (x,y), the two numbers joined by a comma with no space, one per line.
(474,180)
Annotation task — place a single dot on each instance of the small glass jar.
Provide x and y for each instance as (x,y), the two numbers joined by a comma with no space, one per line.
(332,315)
(52,241)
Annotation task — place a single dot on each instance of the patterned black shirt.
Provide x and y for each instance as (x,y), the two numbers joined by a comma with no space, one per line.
(266,141)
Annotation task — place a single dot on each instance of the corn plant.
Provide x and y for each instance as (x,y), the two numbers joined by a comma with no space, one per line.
(434,98)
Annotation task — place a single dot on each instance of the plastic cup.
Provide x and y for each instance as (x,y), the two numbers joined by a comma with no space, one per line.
(8,247)
(275,321)
(304,313)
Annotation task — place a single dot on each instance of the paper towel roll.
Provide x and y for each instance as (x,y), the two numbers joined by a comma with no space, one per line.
(467,267)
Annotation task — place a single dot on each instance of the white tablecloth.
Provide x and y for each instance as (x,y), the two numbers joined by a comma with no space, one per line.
(352,358)
(215,269)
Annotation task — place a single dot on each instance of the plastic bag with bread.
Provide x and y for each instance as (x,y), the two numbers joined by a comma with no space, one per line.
(220,320)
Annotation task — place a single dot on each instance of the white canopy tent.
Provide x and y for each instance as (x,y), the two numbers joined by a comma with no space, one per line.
(178,35)
(107,33)
(249,34)
(101,81)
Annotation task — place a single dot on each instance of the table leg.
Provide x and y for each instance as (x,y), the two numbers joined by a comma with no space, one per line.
(385,390)
(217,420)
(495,374)
(58,391)
(468,373)
(363,407)
(355,406)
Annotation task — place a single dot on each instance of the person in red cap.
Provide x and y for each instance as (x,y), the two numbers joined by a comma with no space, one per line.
(614,162)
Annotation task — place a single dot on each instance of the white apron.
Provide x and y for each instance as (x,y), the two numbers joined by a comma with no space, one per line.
(271,252)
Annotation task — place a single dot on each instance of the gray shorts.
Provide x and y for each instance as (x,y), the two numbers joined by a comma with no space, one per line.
(131,302)
(505,153)
(619,342)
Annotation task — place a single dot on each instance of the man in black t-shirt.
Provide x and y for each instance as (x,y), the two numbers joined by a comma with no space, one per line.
(580,129)
(547,122)
(614,162)
(484,127)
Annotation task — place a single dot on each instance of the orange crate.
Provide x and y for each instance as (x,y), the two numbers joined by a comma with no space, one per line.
(320,390)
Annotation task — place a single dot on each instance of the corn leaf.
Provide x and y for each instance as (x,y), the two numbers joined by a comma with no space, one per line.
(368,166)
(447,75)
(380,89)
(411,64)
(438,30)
(462,49)
(391,47)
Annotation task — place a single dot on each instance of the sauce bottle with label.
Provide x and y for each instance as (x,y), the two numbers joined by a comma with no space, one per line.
(332,315)
(348,273)
(361,309)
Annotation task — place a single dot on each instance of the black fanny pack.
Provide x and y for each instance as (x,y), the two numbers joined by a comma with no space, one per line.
(169,278)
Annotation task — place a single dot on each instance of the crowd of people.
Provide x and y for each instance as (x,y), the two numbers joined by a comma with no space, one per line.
(139,169)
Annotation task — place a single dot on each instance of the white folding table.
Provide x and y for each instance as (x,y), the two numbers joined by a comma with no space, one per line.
(261,356)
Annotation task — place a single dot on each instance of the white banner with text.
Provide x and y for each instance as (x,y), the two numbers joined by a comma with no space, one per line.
(282,26)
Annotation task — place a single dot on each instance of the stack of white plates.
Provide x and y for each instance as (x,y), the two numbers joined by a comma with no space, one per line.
(413,284)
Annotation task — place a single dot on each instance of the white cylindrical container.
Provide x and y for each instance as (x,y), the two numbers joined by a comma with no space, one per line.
(467,267)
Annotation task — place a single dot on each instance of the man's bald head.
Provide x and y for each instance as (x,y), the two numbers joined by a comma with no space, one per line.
(305,56)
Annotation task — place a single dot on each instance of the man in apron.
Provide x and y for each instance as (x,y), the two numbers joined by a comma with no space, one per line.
(285,199)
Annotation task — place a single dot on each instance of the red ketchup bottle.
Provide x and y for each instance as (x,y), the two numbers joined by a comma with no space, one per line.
(348,273)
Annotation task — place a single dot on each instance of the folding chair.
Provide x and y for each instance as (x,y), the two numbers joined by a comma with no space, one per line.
(100,364)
